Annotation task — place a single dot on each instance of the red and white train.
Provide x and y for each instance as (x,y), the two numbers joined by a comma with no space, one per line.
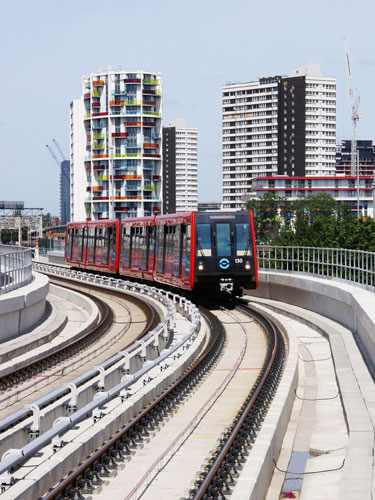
(197,251)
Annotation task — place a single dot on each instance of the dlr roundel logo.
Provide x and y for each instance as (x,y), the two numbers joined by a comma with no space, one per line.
(224,263)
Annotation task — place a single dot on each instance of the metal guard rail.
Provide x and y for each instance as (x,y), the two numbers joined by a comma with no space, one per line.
(354,266)
(15,267)
(15,457)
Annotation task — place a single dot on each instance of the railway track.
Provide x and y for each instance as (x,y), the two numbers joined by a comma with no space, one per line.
(15,386)
(224,463)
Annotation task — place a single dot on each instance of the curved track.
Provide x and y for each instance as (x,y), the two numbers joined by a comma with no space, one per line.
(214,480)
(15,383)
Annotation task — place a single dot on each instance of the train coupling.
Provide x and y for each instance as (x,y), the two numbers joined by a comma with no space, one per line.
(226,285)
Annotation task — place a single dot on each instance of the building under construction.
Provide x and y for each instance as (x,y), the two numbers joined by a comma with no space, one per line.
(64,166)
(365,156)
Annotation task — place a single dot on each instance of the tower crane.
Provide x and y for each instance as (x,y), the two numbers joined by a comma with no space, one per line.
(354,100)
(53,155)
(59,150)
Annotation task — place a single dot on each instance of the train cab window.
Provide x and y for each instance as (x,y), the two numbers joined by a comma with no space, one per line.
(204,240)
(223,243)
(243,242)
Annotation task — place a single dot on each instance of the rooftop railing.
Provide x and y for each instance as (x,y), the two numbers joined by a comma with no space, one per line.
(15,267)
(354,266)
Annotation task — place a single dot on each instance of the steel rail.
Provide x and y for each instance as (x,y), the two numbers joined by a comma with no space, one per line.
(93,333)
(213,347)
(273,348)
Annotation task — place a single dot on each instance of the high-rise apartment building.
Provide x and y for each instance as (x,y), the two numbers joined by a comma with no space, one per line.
(277,126)
(116,146)
(180,167)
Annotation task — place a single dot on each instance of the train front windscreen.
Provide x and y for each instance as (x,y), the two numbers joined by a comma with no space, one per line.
(224,249)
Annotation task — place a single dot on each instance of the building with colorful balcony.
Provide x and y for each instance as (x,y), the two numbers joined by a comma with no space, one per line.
(116,144)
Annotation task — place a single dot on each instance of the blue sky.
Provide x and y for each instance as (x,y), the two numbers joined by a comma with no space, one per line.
(47,46)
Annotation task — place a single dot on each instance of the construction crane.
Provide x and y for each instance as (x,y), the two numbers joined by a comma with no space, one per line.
(53,155)
(355,116)
(59,150)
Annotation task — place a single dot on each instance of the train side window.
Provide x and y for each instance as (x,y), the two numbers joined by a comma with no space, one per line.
(125,257)
(77,244)
(177,250)
(160,247)
(90,244)
(186,245)
(68,244)
(112,245)
(204,248)
(105,245)
(243,242)
(150,253)
(223,243)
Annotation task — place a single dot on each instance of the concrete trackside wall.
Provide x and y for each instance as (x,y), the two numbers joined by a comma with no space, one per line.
(349,305)
(23,308)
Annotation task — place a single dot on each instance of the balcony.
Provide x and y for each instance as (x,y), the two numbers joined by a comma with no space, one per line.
(98,83)
(156,209)
(97,188)
(148,81)
(148,91)
(119,134)
(97,136)
(88,188)
(155,113)
(95,105)
(87,157)
(132,103)
(95,93)
(149,155)
(148,103)
(116,103)
(150,145)
(86,116)
(99,156)
(100,114)
(119,92)
(127,155)
(98,125)
(102,177)
(98,146)
(148,124)
(97,198)
(156,136)
(132,124)
(156,177)
(132,80)
(148,188)
(121,209)
(87,85)
(96,168)
(86,96)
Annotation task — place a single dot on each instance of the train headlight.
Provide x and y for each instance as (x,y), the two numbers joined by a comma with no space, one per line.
(247,265)
(200,266)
